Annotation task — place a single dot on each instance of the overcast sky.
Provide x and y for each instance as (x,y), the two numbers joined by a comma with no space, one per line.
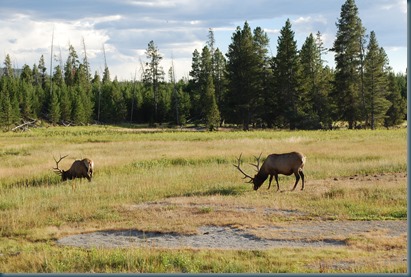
(178,27)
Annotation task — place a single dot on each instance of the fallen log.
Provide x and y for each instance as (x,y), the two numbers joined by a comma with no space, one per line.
(25,126)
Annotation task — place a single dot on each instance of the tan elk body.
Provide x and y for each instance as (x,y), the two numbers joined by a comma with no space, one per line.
(275,164)
(79,169)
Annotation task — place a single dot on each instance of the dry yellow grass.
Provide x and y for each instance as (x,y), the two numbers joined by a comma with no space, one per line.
(177,181)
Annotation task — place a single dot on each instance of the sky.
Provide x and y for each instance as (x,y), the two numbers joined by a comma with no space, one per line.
(123,28)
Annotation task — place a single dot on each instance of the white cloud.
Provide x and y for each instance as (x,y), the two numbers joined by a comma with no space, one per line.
(272,31)
(176,26)
(400,5)
(154,3)
(29,43)
(310,20)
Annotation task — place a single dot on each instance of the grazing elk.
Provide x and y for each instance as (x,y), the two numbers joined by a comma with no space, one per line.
(286,164)
(79,169)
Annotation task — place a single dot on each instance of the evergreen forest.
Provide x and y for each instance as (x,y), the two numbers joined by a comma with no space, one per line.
(245,87)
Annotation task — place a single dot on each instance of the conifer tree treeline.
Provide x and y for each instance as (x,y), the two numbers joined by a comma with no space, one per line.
(293,89)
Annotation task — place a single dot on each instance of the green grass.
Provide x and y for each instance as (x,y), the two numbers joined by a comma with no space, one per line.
(134,167)
(49,259)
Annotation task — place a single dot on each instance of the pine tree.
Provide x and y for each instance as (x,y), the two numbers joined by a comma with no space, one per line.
(119,105)
(106,102)
(220,81)
(5,104)
(238,57)
(218,65)
(244,71)
(286,74)
(401,80)
(79,116)
(314,86)
(58,78)
(8,68)
(194,85)
(154,73)
(209,108)
(206,70)
(60,89)
(96,84)
(106,75)
(15,103)
(82,81)
(264,75)
(39,93)
(375,81)
(86,64)
(348,48)
(27,101)
(27,90)
(42,71)
(54,109)
(175,96)
(212,113)
(26,75)
(195,67)
(398,106)
(182,103)
(164,102)
(10,94)
(65,104)
(71,67)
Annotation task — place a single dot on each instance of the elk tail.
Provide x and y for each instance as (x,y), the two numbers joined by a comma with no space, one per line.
(303,161)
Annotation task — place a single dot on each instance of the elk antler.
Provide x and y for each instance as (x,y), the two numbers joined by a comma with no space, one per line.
(57,169)
(258,162)
(238,167)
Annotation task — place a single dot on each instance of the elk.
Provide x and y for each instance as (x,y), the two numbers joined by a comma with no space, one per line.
(79,169)
(286,164)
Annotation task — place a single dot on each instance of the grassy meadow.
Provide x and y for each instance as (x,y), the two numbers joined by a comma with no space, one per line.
(350,175)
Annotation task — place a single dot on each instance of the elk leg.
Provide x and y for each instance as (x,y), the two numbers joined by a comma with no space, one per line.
(302,178)
(276,180)
(297,178)
(269,183)
(75,183)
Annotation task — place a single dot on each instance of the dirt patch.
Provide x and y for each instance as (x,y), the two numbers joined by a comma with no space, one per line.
(209,237)
(224,222)
(202,204)
(300,234)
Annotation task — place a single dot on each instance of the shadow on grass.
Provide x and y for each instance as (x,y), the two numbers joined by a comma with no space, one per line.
(217,191)
(32,182)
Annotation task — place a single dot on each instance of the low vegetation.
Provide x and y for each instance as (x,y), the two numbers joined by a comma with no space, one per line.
(350,175)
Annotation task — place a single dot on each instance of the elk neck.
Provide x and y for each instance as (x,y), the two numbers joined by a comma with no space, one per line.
(261,176)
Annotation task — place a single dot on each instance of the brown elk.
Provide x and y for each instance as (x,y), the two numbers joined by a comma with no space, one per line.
(286,164)
(79,169)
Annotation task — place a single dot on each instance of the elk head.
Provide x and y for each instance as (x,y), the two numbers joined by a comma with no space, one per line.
(256,180)
(61,172)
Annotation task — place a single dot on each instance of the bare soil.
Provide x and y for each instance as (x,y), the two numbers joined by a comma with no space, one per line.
(299,234)
(222,233)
